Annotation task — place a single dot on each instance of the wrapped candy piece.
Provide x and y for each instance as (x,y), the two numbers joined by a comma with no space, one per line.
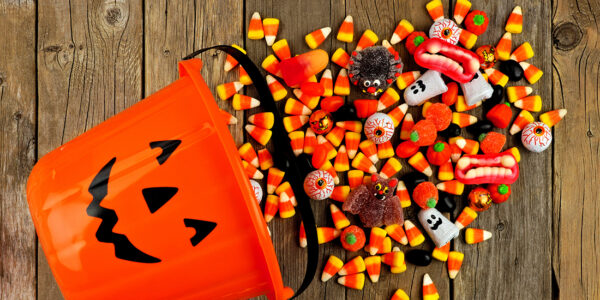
(476,90)
(429,85)
(438,227)
(446,30)
(536,137)
(298,69)
(480,199)
(379,128)
(375,202)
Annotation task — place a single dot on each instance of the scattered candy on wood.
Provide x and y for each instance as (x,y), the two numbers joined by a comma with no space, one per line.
(340,57)
(274,178)
(315,38)
(257,189)
(255,28)
(419,162)
(292,123)
(226,90)
(552,118)
(407,78)
(265,159)
(400,294)
(435,10)
(461,9)
(385,150)
(523,52)
(474,235)
(512,69)
(375,202)
(335,136)
(271,65)
(453,187)
(298,69)
(271,207)
(270,28)
(418,257)
(286,208)
(342,84)
(318,185)
(403,195)
(536,137)
(461,104)
(531,103)
(438,153)
(463,120)
(504,47)
(515,93)
(406,149)
(440,114)
(286,188)
(467,39)
(480,199)
(244,78)
(340,193)
(229,119)
(429,290)
(446,170)
(425,195)
(521,121)
(465,218)
(487,55)
(230,62)
(331,268)
(390,168)
(373,266)
(514,24)
(396,232)
(248,154)
(423,133)
(368,39)
(356,265)
(387,99)
(499,192)
(407,126)
(455,260)
(477,22)
(243,102)
(302,236)
(413,41)
(491,142)
(355,178)
(496,77)
(532,73)
(321,122)
(393,259)
(263,120)
(261,135)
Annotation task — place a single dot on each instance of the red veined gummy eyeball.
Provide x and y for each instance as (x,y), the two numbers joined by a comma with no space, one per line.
(446,30)
(258,191)
(321,122)
(536,137)
(318,185)
(379,128)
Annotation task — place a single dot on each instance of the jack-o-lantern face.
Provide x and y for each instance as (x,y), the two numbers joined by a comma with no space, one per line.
(155,198)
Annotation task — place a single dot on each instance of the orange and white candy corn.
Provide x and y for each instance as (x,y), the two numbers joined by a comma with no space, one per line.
(340,57)
(393,259)
(356,265)
(376,239)
(302,236)
(342,84)
(368,39)
(551,118)
(354,281)
(389,46)
(475,235)
(270,28)
(229,119)
(244,77)
(521,121)
(467,38)
(243,102)
(327,83)
(274,178)
(429,290)
(226,90)
(446,171)
(352,142)
(455,151)
(310,101)
(297,141)
(297,108)
(261,135)
(403,29)
(397,114)
(532,73)
(407,126)
(292,123)
(400,269)
(355,178)
(286,188)
(327,234)
(396,232)
(282,49)
(407,78)
(463,120)
(248,154)
(515,93)
(387,99)
(455,260)
(441,253)
(373,266)
(255,29)
(369,148)
(315,38)
(251,171)
(504,47)
(435,10)
(265,159)
(310,141)
(514,24)
(468,146)
(523,52)
(331,268)
(465,218)
(391,167)
(453,187)
(286,208)
(230,62)
(329,149)
(271,207)
(340,193)
(335,136)
(346,31)
(354,126)
(385,150)
(461,9)
(414,235)
(277,90)
(421,164)
(400,294)
(271,65)
(425,106)
(403,194)
(461,105)
(530,103)
(341,163)
(339,219)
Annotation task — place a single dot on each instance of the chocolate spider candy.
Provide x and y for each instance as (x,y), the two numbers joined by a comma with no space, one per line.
(374,68)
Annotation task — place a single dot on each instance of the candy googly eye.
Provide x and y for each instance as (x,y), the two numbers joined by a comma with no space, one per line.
(385,189)
(445,30)
(378,187)
(379,128)
(318,185)
(367,83)
(536,137)
(376,83)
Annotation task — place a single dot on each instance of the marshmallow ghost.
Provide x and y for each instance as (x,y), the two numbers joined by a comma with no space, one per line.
(439,229)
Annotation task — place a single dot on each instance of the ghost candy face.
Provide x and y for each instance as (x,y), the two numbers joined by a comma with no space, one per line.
(476,90)
(438,227)
(429,85)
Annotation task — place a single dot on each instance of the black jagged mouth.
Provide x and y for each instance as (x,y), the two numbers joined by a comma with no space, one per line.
(437,224)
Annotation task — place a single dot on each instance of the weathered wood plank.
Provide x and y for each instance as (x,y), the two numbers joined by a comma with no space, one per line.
(515,262)
(89,68)
(575,60)
(17,155)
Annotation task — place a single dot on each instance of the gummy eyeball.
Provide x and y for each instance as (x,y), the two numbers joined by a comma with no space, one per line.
(318,185)
(258,192)
(321,122)
(446,30)
(536,137)
(487,56)
(379,128)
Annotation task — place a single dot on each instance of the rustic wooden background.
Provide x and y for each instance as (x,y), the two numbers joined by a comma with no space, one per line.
(66,66)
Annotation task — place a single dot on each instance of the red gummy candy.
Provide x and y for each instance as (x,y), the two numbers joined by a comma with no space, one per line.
(440,114)
(438,153)
(312,89)
(491,142)
(414,40)
(406,149)
(425,195)
(423,133)
(451,95)
(353,238)
(332,104)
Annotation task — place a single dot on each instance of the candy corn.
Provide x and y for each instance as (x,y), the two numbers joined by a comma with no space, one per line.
(274,178)
(455,260)
(391,167)
(551,118)
(255,29)
(435,10)
(369,149)
(385,150)
(339,219)
(403,29)
(355,126)
(340,58)
(340,193)
(453,187)
(400,269)
(265,159)
(331,268)
(297,141)
(468,146)
(504,46)
(368,39)
(302,236)
(429,290)
(352,142)
(342,84)
(248,154)
(521,121)
(335,136)
(373,266)
(244,77)
(271,207)
(387,99)
(474,235)
(261,135)
(271,65)
(342,163)
(386,246)
(465,218)
(407,78)
(407,126)
(463,120)
(230,62)
(310,141)
(461,104)
(354,281)
(523,52)
(276,88)
(292,123)
(376,239)
(355,178)
(419,162)
(456,152)
(397,114)
(270,27)
(327,234)
(346,31)
(403,194)
(329,149)
(446,171)
(530,103)
(396,232)
(461,9)
(514,24)
(282,49)
(243,102)
(356,265)
(226,90)
(251,171)
(229,119)
(286,188)
(414,235)
(393,259)
(295,107)
(515,93)
(327,83)
(467,38)
(389,46)
(532,73)
(441,253)
(425,106)
(400,294)
(286,209)
(365,107)
(315,38)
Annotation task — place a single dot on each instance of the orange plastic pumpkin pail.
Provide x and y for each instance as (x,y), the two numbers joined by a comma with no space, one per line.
(154,204)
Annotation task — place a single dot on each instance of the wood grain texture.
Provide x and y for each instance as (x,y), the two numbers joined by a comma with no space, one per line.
(89,69)
(576,61)
(17,151)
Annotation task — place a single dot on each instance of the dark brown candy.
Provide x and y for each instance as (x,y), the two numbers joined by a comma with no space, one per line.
(412,179)
(512,69)
(418,257)
(452,131)
(446,202)
(483,126)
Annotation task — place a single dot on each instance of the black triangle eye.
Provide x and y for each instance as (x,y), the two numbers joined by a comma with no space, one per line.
(167,149)
(156,197)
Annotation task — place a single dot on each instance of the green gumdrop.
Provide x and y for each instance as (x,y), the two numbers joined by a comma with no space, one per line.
(438,147)
(503,189)
(478,20)
(481,136)
(414,136)
(350,239)
(418,40)
(431,202)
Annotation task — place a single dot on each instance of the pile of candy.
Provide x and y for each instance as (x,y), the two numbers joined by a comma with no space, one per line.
(334,133)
